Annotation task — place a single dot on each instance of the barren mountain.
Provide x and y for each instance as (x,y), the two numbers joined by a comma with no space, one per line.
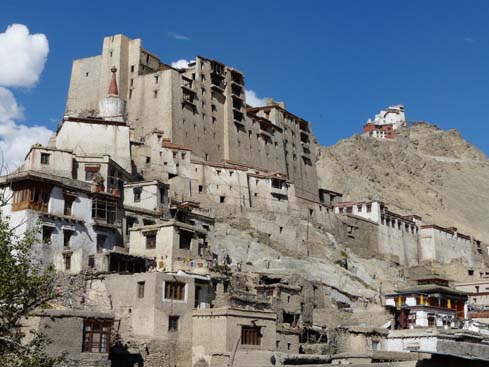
(427,171)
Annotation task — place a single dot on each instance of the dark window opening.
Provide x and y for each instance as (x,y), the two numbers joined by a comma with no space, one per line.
(68,208)
(222,199)
(277,184)
(67,258)
(91,261)
(130,222)
(185,240)
(250,335)
(290,318)
(101,242)
(148,222)
(140,289)
(45,158)
(173,323)
(105,211)
(137,194)
(46,234)
(67,238)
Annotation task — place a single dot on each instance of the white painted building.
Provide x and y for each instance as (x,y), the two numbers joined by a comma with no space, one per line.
(393,115)
(72,223)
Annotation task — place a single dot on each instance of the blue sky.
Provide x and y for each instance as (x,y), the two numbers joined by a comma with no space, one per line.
(334,63)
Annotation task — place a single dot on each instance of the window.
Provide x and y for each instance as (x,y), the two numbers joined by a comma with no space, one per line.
(67,261)
(277,184)
(250,335)
(201,188)
(175,291)
(91,173)
(132,68)
(45,158)
(155,94)
(185,240)
(222,199)
(105,211)
(46,234)
(150,240)
(96,335)
(91,261)
(68,205)
(140,289)
(188,97)
(173,323)
(67,238)
(137,194)
(101,242)
(130,222)
(375,345)
(35,198)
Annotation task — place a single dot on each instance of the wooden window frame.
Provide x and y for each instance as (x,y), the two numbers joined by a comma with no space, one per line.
(101,328)
(251,335)
(175,291)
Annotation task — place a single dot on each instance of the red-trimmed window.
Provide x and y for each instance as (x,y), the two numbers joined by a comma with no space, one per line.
(96,335)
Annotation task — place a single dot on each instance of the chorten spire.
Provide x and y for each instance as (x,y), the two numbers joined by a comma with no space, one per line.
(113,90)
(112,107)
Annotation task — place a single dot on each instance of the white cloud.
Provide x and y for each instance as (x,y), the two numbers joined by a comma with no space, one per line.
(469,40)
(179,37)
(22,56)
(253,100)
(15,138)
(22,59)
(180,64)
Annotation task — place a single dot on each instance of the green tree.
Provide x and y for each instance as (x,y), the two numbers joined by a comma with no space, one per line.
(24,286)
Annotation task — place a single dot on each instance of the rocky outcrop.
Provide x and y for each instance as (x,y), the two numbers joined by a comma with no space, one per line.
(427,171)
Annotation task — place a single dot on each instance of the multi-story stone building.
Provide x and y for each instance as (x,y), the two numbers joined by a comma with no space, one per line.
(202,106)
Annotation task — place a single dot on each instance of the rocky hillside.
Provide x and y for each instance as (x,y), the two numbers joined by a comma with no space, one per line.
(427,171)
